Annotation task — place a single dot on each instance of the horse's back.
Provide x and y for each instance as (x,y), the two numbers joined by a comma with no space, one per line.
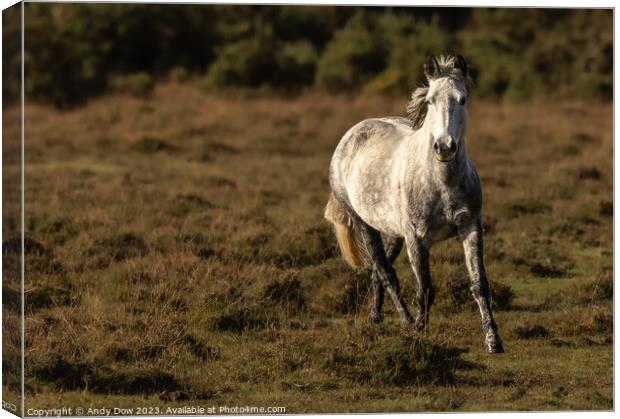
(378,134)
(378,131)
(362,171)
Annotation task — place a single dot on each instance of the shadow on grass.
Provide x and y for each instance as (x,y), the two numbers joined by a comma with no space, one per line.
(101,379)
(406,360)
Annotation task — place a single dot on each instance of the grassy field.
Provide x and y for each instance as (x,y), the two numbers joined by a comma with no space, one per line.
(177,255)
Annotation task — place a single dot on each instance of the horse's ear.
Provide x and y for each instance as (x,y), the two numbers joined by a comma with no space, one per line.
(461,64)
(431,67)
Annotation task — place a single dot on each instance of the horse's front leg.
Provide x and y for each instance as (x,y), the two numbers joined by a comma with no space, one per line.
(473,247)
(419,258)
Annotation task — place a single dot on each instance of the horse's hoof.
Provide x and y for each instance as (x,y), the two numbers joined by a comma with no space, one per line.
(419,324)
(407,322)
(494,345)
(375,317)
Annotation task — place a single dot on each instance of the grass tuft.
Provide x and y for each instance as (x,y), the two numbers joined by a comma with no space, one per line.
(606,209)
(150,145)
(531,332)
(286,292)
(117,248)
(407,360)
(240,320)
(44,297)
(502,296)
(200,348)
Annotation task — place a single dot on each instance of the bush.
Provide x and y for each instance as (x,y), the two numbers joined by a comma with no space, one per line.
(246,62)
(260,59)
(540,52)
(409,42)
(353,56)
(73,49)
(179,74)
(296,63)
(138,84)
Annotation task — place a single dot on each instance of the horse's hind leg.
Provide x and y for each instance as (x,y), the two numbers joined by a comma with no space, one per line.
(383,268)
(392,247)
(419,259)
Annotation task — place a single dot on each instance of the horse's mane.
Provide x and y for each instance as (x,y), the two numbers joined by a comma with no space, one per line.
(417,106)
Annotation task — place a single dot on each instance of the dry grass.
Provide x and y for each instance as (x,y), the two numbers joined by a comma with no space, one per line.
(178,252)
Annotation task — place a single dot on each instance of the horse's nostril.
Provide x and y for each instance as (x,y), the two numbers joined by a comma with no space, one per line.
(452,147)
(435,146)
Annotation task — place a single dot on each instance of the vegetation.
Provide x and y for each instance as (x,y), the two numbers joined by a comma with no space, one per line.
(176,251)
(77,51)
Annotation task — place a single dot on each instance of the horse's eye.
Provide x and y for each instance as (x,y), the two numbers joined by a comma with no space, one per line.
(462,101)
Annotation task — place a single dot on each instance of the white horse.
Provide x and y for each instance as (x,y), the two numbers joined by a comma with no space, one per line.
(409,179)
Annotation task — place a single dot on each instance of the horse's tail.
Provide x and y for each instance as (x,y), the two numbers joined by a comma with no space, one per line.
(351,245)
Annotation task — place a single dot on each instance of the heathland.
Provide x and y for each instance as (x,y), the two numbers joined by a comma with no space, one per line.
(176,254)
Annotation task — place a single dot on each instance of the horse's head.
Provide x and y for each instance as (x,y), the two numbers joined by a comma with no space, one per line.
(446,102)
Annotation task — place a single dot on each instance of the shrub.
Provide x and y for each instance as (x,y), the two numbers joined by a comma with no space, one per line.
(540,52)
(72,50)
(179,74)
(249,61)
(296,62)
(138,84)
(353,56)
(408,42)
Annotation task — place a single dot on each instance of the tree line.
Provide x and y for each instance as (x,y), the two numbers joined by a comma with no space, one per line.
(74,52)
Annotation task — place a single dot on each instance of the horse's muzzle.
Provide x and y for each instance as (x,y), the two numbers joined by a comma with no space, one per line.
(445,151)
